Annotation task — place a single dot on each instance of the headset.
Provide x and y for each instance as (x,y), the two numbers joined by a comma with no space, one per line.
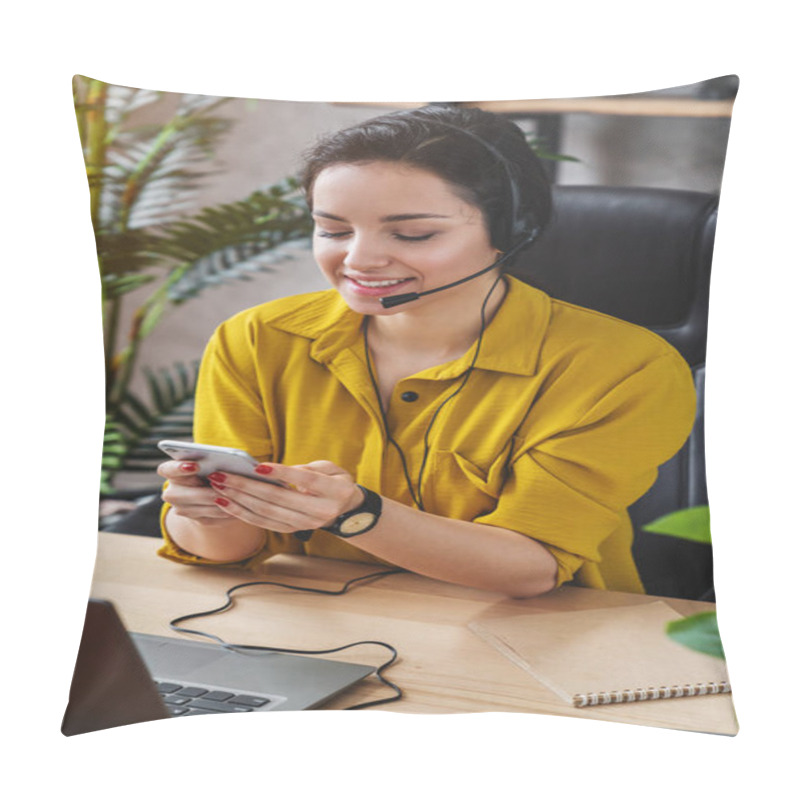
(520,229)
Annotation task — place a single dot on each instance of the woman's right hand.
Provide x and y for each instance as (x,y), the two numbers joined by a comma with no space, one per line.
(197,525)
(189,495)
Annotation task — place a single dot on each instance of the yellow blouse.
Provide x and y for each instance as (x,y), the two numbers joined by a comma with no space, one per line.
(560,427)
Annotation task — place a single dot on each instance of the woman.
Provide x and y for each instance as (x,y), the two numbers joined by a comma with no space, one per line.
(479,432)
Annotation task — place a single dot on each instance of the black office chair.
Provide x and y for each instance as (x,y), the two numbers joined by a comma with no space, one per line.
(643,255)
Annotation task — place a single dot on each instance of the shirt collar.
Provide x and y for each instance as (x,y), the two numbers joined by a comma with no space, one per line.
(523,316)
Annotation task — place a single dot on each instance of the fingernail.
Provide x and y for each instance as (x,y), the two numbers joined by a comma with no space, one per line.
(188,466)
(263,469)
(220,501)
(218,486)
(217,477)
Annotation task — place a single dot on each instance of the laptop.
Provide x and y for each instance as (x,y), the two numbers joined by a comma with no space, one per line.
(121,677)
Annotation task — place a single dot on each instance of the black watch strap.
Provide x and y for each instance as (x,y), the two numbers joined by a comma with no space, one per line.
(359,520)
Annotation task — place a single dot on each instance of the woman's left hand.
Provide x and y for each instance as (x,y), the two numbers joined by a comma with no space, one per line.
(313,496)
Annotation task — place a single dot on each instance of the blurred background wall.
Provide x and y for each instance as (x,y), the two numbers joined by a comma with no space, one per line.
(267,138)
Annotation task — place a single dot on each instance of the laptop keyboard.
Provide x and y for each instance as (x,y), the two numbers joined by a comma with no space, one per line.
(184,701)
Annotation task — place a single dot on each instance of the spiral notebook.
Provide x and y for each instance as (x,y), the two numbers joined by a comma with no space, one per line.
(607,655)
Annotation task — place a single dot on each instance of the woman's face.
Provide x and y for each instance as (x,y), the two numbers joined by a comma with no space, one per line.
(383,228)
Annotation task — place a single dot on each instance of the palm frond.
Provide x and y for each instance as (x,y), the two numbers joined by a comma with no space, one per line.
(114,448)
(144,455)
(122,101)
(126,253)
(145,176)
(140,174)
(234,240)
(143,179)
(135,425)
(115,103)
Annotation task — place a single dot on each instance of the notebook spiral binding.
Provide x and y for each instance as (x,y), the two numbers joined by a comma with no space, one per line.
(652,693)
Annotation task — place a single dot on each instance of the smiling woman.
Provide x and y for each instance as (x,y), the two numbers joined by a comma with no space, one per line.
(367,249)
(368,253)
(429,411)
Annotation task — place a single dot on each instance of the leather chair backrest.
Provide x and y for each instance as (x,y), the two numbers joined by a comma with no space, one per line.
(643,255)
(640,254)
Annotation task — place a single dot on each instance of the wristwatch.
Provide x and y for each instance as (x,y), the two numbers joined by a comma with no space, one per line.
(361,519)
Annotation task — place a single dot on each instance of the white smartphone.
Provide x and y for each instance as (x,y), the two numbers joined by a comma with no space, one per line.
(211,458)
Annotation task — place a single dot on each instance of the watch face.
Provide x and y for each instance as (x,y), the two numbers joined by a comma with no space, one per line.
(357,523)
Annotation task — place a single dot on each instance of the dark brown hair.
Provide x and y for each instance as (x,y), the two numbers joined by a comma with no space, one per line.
(484,156)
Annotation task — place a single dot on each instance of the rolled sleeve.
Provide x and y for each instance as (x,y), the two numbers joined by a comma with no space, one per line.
(571,490)
(171,551)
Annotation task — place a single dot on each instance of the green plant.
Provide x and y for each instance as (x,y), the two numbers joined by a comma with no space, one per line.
(700,631)
(141,179)
(540,147)
(132,433)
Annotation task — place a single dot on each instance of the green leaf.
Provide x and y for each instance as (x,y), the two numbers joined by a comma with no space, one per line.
(538,147)
(134,426)
(698,632)
(693,524)
(153,314)
(556,157)
(115,286)
(131,403)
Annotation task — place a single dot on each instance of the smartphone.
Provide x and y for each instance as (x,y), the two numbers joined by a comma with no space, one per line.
(211,458)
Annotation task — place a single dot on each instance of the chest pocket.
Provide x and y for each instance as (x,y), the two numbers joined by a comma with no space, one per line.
(459,489)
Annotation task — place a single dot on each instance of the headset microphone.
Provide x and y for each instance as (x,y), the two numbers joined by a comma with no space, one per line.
(401,299)
(518,224)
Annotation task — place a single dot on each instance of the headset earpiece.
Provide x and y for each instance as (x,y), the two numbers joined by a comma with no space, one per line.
(520,232)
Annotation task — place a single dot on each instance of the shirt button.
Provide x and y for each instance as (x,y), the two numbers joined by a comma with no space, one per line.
(409,397)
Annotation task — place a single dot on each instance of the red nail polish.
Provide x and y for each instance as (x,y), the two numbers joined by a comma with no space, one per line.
(263,469)
(221,501)
(217,477)
(188,466)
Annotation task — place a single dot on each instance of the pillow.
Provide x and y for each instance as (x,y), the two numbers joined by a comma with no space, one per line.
(199,213)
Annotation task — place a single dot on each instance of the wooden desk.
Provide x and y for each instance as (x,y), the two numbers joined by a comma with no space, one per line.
(443,666)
